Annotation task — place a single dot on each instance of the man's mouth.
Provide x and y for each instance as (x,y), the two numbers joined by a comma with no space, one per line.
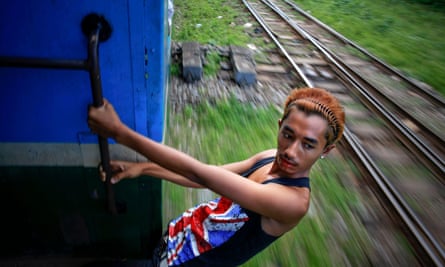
(286,163)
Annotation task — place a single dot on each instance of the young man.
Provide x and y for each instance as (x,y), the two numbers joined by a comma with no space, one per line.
(251,213)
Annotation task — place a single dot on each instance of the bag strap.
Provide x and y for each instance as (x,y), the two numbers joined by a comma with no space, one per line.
(299,182)
(258,165)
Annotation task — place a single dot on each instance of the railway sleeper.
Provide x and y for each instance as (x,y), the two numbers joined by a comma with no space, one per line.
(243,65)
(191,62)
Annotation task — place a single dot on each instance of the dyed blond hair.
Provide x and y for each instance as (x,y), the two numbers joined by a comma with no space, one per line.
(321,102)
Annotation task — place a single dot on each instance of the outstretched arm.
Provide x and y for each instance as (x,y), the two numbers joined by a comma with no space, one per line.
(269,200)
(124,169)
(127,170)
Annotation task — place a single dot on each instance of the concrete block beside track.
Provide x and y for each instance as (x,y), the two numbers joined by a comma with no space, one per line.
(191,62)
(243,65)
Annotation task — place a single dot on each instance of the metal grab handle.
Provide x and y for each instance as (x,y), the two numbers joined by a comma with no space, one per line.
(97,29)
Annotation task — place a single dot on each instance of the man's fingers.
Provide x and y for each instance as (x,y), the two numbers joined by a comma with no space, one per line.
(114,168)
(102,173)
(118,169)
(116,178)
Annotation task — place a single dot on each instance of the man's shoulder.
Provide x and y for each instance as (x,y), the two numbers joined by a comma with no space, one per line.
(264,154)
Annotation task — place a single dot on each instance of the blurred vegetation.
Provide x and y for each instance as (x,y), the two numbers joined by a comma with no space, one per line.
(211,64)
(434,3)
(408,35)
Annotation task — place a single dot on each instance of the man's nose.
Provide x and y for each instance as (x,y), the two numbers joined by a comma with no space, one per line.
(292,150)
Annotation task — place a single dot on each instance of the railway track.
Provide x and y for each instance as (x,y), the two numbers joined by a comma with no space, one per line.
(419,112)
(395,126)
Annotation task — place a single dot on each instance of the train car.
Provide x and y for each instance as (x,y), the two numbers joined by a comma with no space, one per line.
(56,58)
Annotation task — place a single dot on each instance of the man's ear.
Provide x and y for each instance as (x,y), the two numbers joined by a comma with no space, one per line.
(327,150)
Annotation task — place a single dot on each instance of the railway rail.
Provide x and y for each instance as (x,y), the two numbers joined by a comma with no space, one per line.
(421,116)
(395,126)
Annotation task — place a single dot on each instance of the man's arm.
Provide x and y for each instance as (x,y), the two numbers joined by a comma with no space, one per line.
(243,166)
(280,203)
(124,169)
(127,170)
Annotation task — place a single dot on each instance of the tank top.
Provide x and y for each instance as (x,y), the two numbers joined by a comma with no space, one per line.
(221,232)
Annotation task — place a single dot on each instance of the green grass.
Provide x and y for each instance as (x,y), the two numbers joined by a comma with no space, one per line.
(175,69)
(211,65)
(408,35)
(230,131)
(212,22)
(209,22)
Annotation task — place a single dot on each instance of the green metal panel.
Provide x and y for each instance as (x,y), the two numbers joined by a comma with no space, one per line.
(61,211)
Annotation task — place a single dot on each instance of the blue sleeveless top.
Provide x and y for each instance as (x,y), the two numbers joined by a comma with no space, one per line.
(220,232)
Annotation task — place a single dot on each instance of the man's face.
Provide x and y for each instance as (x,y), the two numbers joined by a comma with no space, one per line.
(301,141)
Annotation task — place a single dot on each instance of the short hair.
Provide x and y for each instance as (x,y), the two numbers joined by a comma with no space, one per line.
(321,102)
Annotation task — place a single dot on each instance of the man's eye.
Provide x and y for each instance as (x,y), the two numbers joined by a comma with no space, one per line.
(308,146)
(286,135)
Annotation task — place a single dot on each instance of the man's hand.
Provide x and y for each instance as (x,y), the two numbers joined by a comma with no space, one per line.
(104,120)
(122,170)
